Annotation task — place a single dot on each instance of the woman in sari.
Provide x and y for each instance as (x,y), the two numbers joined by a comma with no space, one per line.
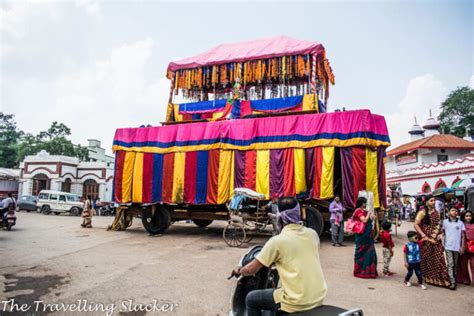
(433,264)
(87,213)
(365,258)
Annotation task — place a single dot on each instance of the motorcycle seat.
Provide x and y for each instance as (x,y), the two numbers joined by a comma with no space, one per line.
(325,310)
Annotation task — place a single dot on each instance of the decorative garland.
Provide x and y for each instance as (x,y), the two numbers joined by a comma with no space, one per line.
(291,70)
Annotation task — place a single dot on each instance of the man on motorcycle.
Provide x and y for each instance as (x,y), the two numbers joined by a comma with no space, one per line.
(8,204)
(295,252)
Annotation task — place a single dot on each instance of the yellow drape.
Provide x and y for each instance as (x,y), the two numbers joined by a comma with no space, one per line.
(178,177)
(310,102)
(223,190)
(127,177)
(137,191)
(327,174)
(177,117)
(232,174)
(371,174)
(300,174)
(169,111)
(263,173)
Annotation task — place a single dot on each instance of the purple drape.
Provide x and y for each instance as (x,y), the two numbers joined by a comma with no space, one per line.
(309,169)
(381,177)
(276,172)
(347,177)
(239,168)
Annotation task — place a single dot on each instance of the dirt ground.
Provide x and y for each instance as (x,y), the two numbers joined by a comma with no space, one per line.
(53,260)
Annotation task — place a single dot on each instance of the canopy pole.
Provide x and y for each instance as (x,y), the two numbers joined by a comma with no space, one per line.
(313,73)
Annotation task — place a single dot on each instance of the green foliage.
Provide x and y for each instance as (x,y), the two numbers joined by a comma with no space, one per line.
(15,145)
(457,112)
(9,137)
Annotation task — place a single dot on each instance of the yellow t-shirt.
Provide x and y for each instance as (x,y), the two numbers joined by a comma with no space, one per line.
(295,252)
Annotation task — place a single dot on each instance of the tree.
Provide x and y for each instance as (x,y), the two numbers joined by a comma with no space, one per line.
(457,112)
(9,137)
(15,145)
(54,141)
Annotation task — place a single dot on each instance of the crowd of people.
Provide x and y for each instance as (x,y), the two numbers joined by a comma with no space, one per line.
(440,249)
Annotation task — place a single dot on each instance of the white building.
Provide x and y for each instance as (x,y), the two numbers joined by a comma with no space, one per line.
(97,153)
(430,160)
(49,172)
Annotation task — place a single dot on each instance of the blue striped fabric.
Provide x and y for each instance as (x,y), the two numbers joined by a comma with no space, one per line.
(201,176)
(258,139)
(157,192)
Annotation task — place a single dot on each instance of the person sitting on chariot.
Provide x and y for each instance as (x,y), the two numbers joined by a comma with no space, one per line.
(295,253)
(273,215)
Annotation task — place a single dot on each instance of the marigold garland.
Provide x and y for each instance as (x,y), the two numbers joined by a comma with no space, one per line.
(293,70)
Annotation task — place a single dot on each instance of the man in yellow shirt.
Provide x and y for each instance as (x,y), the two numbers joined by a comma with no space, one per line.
(295,252)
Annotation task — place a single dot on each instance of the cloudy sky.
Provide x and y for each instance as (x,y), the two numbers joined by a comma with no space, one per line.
(96,66)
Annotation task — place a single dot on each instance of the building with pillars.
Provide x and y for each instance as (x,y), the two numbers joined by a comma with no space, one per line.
(430,160)
(50,172)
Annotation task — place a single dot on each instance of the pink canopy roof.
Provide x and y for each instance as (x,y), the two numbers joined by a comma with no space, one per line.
(251,50)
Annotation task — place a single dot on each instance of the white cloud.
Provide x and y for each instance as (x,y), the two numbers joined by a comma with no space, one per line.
(423,93)
(23,22)
(93,102)
(92,7)
(16,21)
(471,83)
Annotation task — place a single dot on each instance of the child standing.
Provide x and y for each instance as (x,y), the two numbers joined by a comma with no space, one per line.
(387,244)
(453,243)
(412,255)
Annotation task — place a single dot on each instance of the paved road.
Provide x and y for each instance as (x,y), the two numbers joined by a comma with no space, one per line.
(52,259)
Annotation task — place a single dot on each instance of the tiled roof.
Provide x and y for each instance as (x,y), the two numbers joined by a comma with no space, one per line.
(443,141)
(461,166)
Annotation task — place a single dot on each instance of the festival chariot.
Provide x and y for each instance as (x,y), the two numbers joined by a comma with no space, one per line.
(249,115)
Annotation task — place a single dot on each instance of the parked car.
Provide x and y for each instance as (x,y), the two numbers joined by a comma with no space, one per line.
(27,203)
(58,202)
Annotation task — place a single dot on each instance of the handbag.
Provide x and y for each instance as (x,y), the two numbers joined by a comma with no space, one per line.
(354,227)
(470,246)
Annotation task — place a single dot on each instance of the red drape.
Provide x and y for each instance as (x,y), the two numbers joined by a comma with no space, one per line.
(190,177)
(119,161)
(250,169)
(213,176)
(168,173)
(289,172)
(147,177)
(359,170)
(318,169)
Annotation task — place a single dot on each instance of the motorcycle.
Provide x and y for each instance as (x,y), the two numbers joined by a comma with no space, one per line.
(105,209)
(267,278)
(8,220)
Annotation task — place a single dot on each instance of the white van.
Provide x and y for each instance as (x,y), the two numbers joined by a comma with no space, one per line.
(58,202)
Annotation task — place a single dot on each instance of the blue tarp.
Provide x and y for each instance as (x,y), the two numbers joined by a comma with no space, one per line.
(202,107)
(278,104)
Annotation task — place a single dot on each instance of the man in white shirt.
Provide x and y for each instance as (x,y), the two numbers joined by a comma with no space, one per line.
(453,229)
